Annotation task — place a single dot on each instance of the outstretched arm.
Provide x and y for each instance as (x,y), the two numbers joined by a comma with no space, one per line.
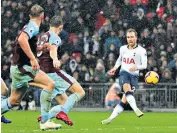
(54,56)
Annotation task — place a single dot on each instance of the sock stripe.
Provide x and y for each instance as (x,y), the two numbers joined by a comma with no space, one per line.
(78,96)
(128,93)
(8,103)
(2,96)
(123,105)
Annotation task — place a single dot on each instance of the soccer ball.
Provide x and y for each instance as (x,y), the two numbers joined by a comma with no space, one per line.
(151,77)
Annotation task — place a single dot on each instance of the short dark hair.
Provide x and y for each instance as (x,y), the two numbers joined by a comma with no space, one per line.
(132,30)
(56,21)
(36,10)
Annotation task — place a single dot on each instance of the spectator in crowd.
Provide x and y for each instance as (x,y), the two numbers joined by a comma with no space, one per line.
(96,44)
(126,11)
(166,77)
(139,21)
(155,21)
(176,72)
(89,60)
(146,41)
(74,64)
(122,37)
(84,74)
(112,40)
(76,76)
(104,31)
(172,66)
(99,75)
(87,42)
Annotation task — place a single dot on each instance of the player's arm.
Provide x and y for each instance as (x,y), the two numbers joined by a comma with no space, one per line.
(53,52)
(143,61)
(23,42)
(118,62)
(54,56)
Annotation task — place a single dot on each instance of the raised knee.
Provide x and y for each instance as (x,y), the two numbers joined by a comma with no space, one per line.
(126,87)
(14,101)
(82,93)
(4,92)
(51,85)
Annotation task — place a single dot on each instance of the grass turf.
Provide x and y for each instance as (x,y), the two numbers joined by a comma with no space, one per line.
(89,122)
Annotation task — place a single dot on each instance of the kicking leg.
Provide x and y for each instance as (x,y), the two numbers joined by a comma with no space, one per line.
(14,99)
(61,99)
(131,99)
(45,98)
(4,91)
(42,80)
(77,94)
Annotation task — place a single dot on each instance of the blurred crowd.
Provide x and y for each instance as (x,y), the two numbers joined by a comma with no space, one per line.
(94,30)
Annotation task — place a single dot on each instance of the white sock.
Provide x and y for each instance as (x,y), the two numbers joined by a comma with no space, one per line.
(117,110)
(131,100)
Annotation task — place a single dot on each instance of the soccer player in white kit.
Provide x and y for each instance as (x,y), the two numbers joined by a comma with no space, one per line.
(132,58)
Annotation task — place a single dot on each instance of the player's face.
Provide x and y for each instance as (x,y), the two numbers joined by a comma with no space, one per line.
(60,28)
(42,17)
(131,39)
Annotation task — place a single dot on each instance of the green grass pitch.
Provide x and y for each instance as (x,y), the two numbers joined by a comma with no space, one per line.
(89,122)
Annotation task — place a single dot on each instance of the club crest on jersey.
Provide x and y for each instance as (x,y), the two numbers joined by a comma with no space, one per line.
(128,60)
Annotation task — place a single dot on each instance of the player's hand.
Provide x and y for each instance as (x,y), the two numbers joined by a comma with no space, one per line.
(112,71)
(34,63)
(56,63)
(133,69)
(47,45)
(40,48)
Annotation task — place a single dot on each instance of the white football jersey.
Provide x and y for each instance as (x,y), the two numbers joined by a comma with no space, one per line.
(129,58)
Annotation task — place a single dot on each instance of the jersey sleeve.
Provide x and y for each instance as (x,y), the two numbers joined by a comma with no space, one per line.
(31,30)
(119,60)
(143,59)
(55,40)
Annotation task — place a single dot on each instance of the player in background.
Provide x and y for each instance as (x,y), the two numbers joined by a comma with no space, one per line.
(113,96)
(4,91)
(25,68)
(132,58)
(48,56)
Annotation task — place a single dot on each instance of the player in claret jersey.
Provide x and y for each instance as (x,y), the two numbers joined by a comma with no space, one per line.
(47,53)
(25,68)
(132,58)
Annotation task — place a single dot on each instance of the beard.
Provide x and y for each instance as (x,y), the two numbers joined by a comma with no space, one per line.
(131,44)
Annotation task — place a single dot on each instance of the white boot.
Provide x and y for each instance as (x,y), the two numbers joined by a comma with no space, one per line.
(138,113)
(49,125)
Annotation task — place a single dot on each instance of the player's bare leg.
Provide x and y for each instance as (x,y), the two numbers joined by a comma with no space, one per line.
(4,88)
(77,93)
(45,98)
(61,99)
(47,84)
(117,110)
(4,91)
(131,100)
